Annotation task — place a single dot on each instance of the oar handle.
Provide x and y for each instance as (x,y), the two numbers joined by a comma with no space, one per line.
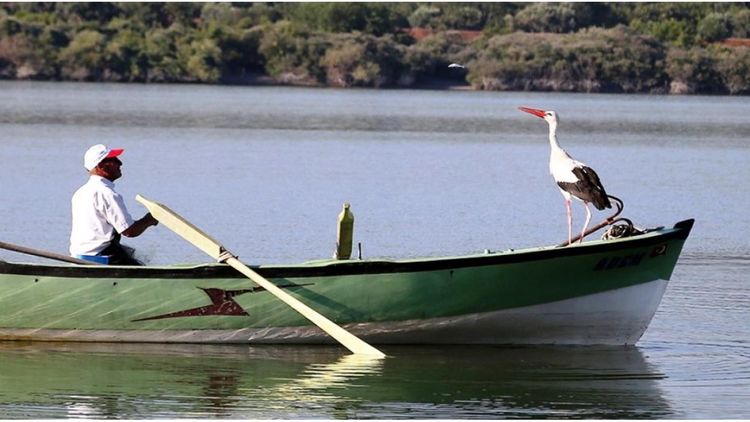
(44,254)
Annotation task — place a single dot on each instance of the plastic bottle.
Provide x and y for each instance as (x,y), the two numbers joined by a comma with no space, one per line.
(344,233)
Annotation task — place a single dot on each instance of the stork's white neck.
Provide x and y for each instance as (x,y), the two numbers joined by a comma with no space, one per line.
(553,136)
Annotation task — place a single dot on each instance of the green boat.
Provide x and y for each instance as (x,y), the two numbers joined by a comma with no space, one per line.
(596,292)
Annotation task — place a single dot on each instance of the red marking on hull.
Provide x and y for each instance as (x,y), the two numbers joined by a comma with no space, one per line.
(222,303)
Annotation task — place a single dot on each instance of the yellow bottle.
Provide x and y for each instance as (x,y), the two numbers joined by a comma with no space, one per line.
(344,233)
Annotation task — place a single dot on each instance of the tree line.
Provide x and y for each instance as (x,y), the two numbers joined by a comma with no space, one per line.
(576,47)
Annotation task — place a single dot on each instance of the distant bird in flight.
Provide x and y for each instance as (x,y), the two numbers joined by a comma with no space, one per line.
(574,178)
(456,65)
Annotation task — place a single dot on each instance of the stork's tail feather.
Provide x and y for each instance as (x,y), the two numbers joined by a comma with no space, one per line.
(619,202)
(601,201)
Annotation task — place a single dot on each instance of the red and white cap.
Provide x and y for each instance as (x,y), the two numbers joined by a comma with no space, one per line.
(97,153)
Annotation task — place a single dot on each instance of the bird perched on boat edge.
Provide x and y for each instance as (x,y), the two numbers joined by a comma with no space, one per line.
(574,178)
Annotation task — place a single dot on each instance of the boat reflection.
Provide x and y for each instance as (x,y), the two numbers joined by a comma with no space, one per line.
(47,380)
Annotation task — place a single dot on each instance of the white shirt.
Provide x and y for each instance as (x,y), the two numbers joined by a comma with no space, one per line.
(98,211)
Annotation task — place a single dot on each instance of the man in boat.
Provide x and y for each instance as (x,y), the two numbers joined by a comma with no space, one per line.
(100,217)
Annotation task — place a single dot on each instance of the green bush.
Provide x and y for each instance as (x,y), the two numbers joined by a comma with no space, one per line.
(125,57)
(693,71)
(203,58)
(595,60)
(160,48)
(673,23)
(362,60)
(83,59)
(715,27)
(292,54)
(370,18)
(29,51)
(425,17)
(712,70)
(669,30)
(347,64)
(462,16)
(733,64)
(561,17)
(740,20)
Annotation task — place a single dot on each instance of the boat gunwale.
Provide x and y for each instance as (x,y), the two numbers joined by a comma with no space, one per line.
(681,230)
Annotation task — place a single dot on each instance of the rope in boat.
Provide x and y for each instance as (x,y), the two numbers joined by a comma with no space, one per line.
(619,231)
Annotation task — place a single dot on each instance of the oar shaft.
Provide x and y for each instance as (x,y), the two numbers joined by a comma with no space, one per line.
(352,342)
(43,254)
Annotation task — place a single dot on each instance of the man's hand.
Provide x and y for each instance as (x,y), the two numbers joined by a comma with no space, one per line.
(140,226)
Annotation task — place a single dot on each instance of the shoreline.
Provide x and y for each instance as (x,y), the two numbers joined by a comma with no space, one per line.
(434,84)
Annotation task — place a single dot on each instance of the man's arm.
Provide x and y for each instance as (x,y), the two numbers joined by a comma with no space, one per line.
(140,226)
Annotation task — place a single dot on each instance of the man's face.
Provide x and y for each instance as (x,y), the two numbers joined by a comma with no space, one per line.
(110,168)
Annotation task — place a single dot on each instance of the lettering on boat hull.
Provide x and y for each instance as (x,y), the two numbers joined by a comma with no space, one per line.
(618,262)
(611,263)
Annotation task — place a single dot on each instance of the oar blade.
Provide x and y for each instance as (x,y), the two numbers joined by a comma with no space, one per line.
(182,227)
(347,339)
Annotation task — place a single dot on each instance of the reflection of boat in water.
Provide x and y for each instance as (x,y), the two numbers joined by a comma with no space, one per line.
(598,292)
(527,382)
(264,382)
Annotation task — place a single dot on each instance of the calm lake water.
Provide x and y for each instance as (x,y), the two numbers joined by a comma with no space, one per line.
(428,173)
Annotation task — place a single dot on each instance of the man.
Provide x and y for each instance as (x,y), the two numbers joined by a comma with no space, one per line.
(99,214)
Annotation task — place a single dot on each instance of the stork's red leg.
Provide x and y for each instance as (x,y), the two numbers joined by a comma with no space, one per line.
(588,219)
(570,221)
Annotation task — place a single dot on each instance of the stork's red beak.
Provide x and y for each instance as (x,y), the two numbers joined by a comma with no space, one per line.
(535,111)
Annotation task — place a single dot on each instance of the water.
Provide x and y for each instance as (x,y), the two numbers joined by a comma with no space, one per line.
(428,173)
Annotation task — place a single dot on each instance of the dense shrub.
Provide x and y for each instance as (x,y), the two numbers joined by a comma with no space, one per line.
(425,17)
(693,71)
(595,60)
(29,50)
(717,70)
(562,17)
(733,64)
(298,56)
(740,23)
(370,18)
(669,30)
(715,27)
(83,59)
(360,60)
(472,16)
(160,47)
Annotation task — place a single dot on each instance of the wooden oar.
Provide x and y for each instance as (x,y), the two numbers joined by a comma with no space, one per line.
(44,254)
(214,249)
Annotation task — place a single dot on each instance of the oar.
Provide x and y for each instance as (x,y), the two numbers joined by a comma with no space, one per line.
(214,249)
(44,254)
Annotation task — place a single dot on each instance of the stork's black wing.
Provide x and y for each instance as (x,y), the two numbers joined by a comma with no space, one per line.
(588,187)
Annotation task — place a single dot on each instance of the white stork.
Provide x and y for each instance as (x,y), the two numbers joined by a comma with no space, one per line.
(574,178)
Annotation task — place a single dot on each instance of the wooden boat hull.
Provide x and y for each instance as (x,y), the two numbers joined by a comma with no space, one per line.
(600,292)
